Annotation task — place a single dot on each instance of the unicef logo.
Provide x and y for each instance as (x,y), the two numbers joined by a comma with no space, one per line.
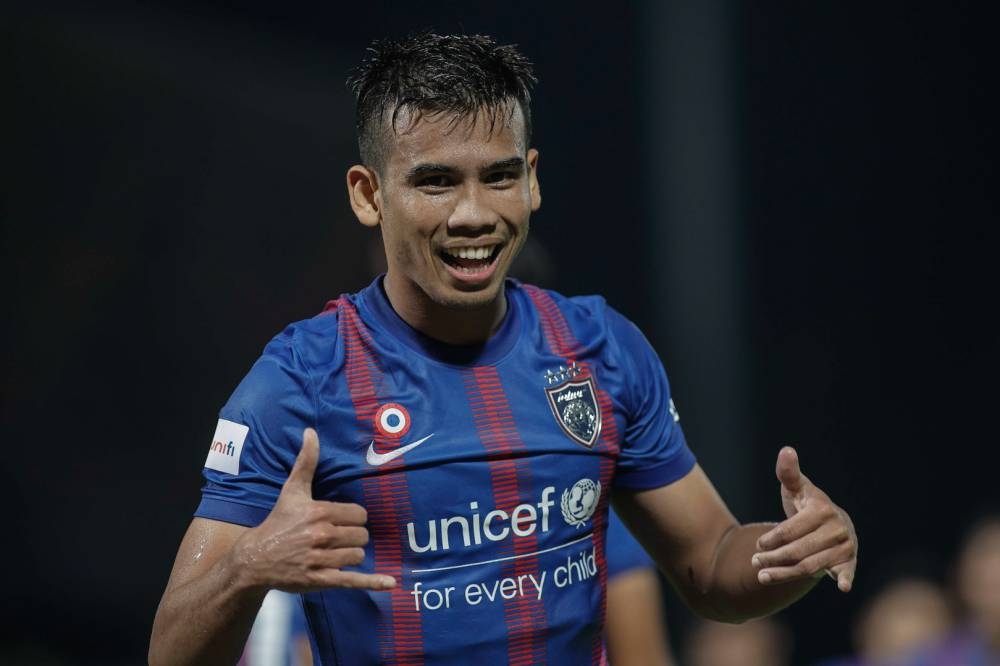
(579,502)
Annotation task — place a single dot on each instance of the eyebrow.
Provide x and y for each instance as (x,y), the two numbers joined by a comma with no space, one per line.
(511,163)
(426,169)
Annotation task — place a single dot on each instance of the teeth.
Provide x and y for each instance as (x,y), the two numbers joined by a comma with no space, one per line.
(470,252)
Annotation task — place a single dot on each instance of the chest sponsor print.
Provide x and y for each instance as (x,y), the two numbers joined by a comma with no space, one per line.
(574,406)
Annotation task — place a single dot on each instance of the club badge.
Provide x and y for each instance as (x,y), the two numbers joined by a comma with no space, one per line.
(573,399)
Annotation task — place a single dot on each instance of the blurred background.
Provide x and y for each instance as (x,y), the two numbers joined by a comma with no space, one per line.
(797,202)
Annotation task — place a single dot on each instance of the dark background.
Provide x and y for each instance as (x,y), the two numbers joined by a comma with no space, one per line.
(174,196)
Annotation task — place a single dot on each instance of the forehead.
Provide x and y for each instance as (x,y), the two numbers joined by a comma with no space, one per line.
(442,138)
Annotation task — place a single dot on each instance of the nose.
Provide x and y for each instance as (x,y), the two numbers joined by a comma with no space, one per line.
(473,213)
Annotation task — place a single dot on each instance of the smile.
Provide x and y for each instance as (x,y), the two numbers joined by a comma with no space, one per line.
(470,260)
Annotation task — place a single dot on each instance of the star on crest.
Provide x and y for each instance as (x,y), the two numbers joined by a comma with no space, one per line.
(562,374)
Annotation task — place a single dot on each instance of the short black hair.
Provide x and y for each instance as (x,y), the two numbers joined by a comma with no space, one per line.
(458,75)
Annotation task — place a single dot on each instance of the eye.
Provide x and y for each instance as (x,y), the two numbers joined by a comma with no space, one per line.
(434,182)
(501,177)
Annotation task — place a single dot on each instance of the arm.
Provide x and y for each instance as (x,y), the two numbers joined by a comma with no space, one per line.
(223,571)
(732,572)
(208,607)
(635,627)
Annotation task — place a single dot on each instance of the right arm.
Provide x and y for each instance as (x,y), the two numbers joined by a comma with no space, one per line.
(209,605)
(222,571)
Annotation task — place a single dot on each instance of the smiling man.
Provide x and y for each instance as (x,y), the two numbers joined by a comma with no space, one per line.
(453,197)
(430,461)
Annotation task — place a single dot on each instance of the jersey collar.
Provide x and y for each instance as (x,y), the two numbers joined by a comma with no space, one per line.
(373,304)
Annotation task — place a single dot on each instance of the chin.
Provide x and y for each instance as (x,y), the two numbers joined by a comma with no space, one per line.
(450,296)
(468,300)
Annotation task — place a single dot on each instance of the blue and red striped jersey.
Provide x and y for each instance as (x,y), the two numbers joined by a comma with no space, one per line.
(486,470)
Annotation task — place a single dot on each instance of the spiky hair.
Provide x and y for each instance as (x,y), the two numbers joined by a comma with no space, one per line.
(460,76)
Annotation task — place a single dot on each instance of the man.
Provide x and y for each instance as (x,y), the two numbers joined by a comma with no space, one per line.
(430,461)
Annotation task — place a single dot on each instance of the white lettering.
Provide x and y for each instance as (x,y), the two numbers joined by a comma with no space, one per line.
(538,583)
(508,588)
(583,568)
(473,594)
(505,588)
(569,395)
(519,517)
(476,536)
(496,525)
(431,538)
(544,506)
(489,519)
(431,599)
(454,520)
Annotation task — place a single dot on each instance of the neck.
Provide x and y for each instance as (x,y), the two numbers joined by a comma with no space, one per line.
(453,325)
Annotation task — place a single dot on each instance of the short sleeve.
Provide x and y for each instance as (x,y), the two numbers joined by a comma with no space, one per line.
(258,437)
(654,452)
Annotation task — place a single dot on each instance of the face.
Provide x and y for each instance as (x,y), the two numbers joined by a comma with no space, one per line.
(453,200)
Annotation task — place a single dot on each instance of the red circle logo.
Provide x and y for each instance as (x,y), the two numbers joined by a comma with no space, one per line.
(392,420)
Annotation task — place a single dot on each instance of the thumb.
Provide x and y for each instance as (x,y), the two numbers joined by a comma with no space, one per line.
(788,472)
(301,477)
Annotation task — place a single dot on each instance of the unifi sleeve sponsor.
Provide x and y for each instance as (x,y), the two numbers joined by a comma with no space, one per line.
(263,421)
(227,445)
(654,452)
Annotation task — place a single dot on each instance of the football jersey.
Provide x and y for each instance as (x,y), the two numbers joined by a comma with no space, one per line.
(485,469)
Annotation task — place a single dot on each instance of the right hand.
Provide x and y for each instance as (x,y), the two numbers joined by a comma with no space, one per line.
(303,543)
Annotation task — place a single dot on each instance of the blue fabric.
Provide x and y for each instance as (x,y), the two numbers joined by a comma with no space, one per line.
(473,546)
(624,552)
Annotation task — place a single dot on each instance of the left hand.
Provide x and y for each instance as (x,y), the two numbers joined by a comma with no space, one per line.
(817,538)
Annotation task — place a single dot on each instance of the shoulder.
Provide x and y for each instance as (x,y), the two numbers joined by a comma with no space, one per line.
(587,320)
(316,342)
(586,307)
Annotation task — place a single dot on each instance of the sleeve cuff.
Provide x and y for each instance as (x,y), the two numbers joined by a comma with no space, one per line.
(231,512)
(659,475)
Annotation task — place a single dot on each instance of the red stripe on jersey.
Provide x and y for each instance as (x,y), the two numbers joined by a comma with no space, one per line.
(387,497)
(524,615)
(563,343)
(561,340)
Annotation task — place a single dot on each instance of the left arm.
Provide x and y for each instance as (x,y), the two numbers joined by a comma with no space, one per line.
(732,572)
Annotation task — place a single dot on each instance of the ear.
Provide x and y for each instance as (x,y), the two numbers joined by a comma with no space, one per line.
(362,190)
(536,192)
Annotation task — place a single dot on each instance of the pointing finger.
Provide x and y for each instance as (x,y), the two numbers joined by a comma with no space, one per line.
(356,580)
(301,477)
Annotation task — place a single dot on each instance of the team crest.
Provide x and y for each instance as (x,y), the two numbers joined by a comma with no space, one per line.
(574,404)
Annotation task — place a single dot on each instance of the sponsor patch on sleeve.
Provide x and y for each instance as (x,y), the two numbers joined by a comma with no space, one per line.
(227,445)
